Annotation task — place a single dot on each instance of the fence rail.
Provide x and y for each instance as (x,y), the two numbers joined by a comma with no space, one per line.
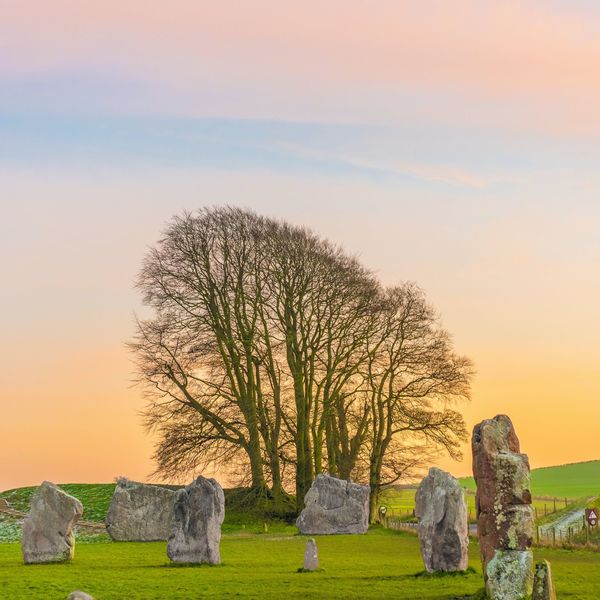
(576,532)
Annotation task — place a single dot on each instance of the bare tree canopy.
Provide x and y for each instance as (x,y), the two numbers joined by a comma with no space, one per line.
(273,353)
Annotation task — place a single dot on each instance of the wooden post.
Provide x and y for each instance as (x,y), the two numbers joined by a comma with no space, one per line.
(587,532)
(545,509)
(566,503)
(554,536)
(554,504)
(537,534)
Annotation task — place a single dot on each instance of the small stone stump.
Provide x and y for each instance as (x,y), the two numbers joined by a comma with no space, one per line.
(140,513)
(311,556)
(443,529)
(199,513)
(543,586)
(334,506)
(505,516)
(48,528)
(79,595)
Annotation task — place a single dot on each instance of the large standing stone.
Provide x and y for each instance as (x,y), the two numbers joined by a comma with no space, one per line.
(199,512)
(505,517)
(334,506)
(140,512)
(443,529)
(543,586)
(48,528)
(311,556)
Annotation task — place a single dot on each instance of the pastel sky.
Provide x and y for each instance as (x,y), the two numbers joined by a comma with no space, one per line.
(455,144)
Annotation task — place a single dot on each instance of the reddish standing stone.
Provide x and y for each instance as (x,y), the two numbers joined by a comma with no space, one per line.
(504,513)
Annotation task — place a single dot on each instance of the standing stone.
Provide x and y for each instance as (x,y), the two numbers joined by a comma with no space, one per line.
(505,517)
(443,529)
(48,528)
(543,586)
(199,512)
(333,506)
(311,556)
(140,512)
(79,595)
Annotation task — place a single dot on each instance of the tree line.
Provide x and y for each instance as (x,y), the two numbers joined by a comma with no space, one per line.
(271,353)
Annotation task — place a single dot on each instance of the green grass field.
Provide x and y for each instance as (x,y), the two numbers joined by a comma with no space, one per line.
(565,481)
(381,564)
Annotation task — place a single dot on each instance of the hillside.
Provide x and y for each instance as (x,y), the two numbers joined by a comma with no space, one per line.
(574,480)
(95,498)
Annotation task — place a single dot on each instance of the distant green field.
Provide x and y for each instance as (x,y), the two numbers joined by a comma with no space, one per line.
(401,502)
(574,481)
(565,481)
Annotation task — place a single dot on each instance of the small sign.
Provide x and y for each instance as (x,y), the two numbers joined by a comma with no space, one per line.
(591,516)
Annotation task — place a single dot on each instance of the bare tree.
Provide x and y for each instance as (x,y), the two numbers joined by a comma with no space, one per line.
(322,301)
(411,377)
(272,350)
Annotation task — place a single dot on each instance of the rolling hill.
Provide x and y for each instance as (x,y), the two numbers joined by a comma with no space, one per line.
(574,480)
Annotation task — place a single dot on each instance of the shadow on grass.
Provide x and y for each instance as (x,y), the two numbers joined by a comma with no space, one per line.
(480,595)
(303,570)
(174,565)
(445,574)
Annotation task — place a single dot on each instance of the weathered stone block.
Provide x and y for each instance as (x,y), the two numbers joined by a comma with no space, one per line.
(503,501)
(311,556)
(48,528)
(140,513)
(543,586)
(443,530)
(509,575)
(199,513)
(334,506)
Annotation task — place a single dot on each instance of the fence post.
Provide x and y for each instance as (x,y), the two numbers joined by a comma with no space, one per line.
(587,533)
(545,509)
(537,534)
(554,536)
(566,503)
(554,504)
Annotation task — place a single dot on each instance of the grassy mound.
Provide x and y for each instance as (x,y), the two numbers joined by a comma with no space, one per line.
(245,510)
(95,498)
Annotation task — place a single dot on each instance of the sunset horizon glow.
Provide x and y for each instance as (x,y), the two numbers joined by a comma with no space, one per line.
(451,145)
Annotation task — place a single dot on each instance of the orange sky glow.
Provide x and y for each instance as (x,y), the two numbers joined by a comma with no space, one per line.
(453,144)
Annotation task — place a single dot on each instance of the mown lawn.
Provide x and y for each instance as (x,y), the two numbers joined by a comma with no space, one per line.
(381,564)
